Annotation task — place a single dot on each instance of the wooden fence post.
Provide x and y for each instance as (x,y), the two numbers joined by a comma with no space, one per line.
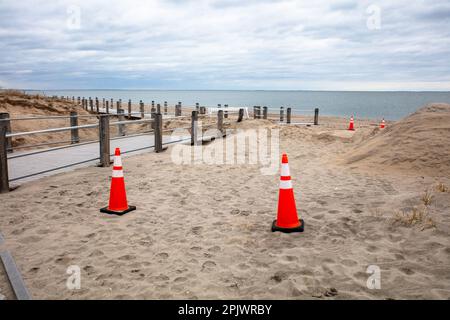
(152,124)
(111,104)
(281,114)
(254,112)
(316,116)
(104,141)
(264,112)
(5,115)
(241,115)
(178,110)
(107,106)
(225,114)
(103,103)
(220,121)
(258,112)
(129,108)
(141,109)
(97,106)
(78,100)
(165,107)
(194,128)
(75,138)
(91,104)
(121,117)
(4,178)
(288,115)
(197,107)
(158,133)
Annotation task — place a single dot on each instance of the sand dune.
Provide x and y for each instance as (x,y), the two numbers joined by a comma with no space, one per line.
(418,143)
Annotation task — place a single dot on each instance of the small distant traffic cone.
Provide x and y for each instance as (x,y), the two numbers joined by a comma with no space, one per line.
(382,124)
(287,218)
(117,197)
(352,123)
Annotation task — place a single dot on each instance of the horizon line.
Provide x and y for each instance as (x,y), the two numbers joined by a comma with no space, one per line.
(280,90)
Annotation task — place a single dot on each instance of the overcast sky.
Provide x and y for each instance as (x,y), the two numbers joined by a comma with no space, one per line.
(237,44)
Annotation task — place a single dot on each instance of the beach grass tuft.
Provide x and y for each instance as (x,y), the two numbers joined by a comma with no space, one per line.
(415,217)
(427,197)
(441,187)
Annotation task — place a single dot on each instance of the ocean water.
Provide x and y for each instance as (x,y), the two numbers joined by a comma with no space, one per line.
(362,104)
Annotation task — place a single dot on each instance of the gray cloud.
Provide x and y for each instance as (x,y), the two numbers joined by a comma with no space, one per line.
(225,45)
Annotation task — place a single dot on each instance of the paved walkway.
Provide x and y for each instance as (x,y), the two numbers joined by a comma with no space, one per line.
(22,167)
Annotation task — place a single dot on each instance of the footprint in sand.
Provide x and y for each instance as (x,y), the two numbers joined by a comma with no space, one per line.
(243,266)
(208,265)
(161,277)
(127,257)
(162,255)
(407,271)
(279,276)
(214,249)
(197,230)
(180,279)
(96,253)
(399,256)
(63,260)
(290,258)
(34,270)
(349,262)
(88,269)
(372,249)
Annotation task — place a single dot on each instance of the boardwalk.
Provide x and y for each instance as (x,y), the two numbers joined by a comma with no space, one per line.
(68,158)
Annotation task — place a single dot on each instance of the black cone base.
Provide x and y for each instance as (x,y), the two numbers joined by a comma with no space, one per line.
(119,213)
(288,230)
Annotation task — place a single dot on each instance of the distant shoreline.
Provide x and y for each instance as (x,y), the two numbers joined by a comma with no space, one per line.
(237,90)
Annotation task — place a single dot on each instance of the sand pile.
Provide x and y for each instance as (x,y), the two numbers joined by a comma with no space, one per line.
(418,144)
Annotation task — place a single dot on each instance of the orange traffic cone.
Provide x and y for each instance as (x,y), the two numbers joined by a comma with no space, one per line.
(382,124)
(352,123)
(117,197)
(287,219)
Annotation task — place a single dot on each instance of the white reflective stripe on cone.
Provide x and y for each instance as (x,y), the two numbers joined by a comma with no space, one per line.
(117,161)
(285,170)
(285,184)
(117,174)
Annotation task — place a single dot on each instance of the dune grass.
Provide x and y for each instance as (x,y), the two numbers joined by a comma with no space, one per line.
(417,216)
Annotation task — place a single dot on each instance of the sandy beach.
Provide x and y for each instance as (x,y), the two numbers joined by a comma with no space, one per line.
(370,197)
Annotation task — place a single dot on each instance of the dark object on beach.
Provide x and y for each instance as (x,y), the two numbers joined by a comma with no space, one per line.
(241,115)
